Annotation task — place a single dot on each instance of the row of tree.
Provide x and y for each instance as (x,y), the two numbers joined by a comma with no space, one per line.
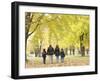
(42,29)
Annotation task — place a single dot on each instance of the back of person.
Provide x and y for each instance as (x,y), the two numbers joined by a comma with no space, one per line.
(50,50)
(62,54)
(43,54)
(57,51)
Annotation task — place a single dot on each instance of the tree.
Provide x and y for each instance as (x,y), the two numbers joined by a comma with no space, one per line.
(28,22)
(61,29)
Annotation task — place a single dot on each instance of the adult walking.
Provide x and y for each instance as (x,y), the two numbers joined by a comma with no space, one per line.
(44,56)
(57,53)
(50,52)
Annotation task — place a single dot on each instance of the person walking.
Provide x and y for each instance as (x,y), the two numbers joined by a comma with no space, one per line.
(57,53)
(62,55)
(50,52)
(44,56)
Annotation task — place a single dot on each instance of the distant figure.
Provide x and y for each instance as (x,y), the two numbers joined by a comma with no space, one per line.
(62,55)
(66,51)
(70,49)
(57,53)
(87,51)
(50,52)
(73,50)
(44,56)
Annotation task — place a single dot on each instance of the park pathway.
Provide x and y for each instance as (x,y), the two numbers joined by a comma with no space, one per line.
(36,62)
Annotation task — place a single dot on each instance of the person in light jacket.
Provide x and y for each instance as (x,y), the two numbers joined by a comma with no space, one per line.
(50,52)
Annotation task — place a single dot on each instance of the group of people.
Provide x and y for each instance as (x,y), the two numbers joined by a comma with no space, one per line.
(59,54)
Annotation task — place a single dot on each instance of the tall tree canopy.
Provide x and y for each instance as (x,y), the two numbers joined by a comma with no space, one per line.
(43,29)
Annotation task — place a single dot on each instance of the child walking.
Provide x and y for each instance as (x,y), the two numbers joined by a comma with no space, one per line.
(62,55)
(44,56)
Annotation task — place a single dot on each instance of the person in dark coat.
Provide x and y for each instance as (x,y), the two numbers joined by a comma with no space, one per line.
(50,52)
(44,56)
(57,53)
(62,55)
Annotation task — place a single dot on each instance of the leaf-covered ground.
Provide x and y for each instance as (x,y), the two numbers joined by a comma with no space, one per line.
(36,62)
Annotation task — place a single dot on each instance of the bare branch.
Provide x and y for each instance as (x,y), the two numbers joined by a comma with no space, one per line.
(39,19)
(34,29)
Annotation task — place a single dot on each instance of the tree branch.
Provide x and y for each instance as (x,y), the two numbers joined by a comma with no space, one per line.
(34,29)
(36,25)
